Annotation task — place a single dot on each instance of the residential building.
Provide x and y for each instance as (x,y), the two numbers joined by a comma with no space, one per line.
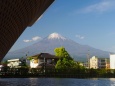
(43,60)
(16,63)
(103,63)
(86,64)
(1,66)
(100,63)
(112,61)
(93,62)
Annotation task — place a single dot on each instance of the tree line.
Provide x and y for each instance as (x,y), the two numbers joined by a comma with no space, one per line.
(65,67)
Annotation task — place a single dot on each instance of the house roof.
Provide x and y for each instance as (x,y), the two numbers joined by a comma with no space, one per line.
(45,55)
(15,17)
(11,60)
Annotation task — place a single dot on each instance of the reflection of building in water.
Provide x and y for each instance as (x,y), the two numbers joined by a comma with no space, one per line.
(15,16)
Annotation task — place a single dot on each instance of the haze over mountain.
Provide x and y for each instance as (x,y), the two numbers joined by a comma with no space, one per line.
(49,43)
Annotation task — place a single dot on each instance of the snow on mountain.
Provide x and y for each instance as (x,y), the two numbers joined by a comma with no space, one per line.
(56,36)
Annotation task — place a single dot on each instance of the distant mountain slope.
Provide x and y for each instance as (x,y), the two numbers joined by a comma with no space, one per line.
(48,44)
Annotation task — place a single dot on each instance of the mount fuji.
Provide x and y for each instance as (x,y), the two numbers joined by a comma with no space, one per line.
(49,43)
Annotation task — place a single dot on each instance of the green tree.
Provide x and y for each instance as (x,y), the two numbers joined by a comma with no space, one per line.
(30,58)
(62,53)
(4,63)
(65,60)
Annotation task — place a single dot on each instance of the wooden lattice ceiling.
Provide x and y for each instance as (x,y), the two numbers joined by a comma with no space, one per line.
(15,16)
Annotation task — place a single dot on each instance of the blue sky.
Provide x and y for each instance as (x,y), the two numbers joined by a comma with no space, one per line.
(88,22)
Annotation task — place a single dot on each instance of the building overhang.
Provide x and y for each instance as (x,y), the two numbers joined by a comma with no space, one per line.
(15,17)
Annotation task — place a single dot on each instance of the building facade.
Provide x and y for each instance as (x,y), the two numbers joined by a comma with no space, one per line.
(103,63)
(112,61)
(93,62)
(99,63)
(16,63)
(43,59)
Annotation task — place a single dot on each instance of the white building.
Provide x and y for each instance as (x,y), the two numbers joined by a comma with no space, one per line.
(96,63)
(112,61)
(15,63)
(34,63)
(1,66)
(43,59)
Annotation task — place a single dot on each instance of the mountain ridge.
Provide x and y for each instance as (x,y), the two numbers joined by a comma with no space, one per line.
(49,43)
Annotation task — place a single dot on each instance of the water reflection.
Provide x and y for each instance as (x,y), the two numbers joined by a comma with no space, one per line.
(33,81)
(56,82)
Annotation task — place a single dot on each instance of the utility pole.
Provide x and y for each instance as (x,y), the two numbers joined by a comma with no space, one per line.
(44,65)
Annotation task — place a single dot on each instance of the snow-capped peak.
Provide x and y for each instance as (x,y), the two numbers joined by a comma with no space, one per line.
(56,36)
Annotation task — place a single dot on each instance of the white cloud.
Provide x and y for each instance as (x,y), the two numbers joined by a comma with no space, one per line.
(33,39)
(27,40)
(100,7)
(80,37)
(36,38)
